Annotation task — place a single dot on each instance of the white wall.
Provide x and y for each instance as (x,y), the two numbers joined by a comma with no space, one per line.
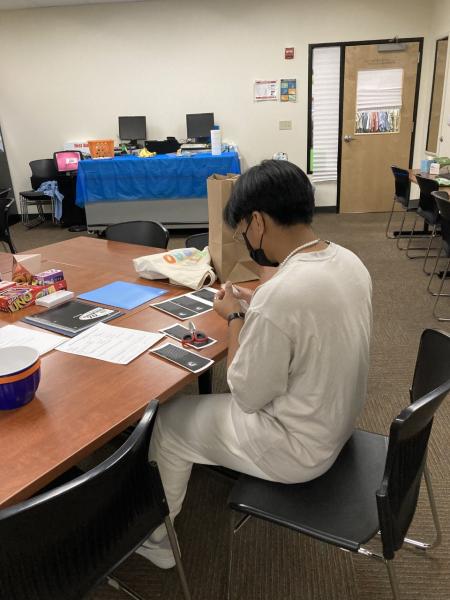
(67,73)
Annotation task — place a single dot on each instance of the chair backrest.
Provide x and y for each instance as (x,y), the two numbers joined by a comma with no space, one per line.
(146,233)
(5,192)
(402,184)
(432,364)
(443,205)
(405,462)
(426,200)
(408,440)
(42,170)
(198,240)
(60,544)
(67,160)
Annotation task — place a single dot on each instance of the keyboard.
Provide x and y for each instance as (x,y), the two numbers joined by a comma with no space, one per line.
(195,146)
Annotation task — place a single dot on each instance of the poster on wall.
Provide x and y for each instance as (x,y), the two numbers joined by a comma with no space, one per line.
(265,90)
(288,90)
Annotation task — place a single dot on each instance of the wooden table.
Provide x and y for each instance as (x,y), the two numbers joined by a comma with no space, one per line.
(81,402)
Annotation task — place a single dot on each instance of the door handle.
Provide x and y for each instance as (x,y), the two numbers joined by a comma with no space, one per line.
(348,138)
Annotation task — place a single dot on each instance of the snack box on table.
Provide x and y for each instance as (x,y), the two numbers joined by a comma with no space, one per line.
(47,277)
(20,296)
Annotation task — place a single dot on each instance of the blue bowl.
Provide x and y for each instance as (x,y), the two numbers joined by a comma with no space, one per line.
(19,387)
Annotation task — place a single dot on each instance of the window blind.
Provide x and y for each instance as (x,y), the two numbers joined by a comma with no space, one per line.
(325,112)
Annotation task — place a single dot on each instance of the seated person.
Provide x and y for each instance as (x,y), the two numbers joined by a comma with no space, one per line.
(297,360)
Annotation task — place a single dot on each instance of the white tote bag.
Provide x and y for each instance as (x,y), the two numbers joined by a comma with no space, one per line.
(184,266)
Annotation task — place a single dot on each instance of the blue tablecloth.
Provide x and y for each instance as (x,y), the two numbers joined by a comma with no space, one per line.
(162,176)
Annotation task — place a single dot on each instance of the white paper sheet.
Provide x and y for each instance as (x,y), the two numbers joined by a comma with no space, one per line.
(12,335)
(113,344)
(265,89)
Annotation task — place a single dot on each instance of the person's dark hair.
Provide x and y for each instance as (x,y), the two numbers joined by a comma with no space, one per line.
(276,187)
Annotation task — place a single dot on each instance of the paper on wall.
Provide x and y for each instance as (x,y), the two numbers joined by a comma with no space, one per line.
(265,89)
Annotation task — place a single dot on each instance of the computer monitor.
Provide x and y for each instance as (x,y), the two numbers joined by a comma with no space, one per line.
(199,126)
(132,129)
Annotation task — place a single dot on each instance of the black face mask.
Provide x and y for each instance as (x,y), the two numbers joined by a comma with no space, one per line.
(258,254)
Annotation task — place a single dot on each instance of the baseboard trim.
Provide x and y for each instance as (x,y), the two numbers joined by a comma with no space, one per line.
(325,209)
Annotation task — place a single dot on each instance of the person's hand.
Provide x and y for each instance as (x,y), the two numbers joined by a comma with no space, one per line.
(242,293)
(226,302)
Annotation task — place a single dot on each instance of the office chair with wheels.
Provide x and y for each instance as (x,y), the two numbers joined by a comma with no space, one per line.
(401,196)
(62,543)
(428,211)
(374,484)
(146,233)
(5,205)
(443,205)
(198,240)
(41,171)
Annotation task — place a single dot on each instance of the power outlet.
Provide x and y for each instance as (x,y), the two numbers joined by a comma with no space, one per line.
(285,125)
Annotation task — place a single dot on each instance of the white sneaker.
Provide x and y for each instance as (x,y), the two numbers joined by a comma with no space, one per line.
(160,554)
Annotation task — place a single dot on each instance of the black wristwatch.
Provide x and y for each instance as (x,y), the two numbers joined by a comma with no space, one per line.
(235,315)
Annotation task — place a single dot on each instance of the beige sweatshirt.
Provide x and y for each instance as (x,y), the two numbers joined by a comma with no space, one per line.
(298,380)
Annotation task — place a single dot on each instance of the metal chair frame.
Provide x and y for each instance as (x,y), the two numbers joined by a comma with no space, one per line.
(440,197)
(409,205)
(414,235)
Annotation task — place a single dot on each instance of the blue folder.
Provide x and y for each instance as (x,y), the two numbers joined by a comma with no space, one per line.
(123,295)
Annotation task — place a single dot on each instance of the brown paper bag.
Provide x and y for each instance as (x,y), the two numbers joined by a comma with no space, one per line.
(230,258)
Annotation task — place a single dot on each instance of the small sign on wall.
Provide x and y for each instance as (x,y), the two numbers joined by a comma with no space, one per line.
(289,53)
(288,90)
(265,89)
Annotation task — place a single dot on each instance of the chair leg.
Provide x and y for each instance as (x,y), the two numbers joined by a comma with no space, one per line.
(432,237)
(392,579)
(434,272)
(389,567)
(434,512)
(119,585)
(176,552)
(390,237)
(400,231)
(411,237)
(439,294)
(234,528)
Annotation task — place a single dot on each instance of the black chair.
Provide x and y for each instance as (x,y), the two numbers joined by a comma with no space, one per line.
(41,171)
(146,233)
(401,196)
(443,204)
(374,484)
(428,211)
(5,205)
(198,240)
(60,544)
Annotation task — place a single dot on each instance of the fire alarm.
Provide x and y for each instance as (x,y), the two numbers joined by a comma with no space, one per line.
(288,53)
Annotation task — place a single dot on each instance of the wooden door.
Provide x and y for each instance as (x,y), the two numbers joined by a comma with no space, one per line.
(375,137)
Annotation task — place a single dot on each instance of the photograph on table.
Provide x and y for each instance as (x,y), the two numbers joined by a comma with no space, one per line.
(188,305)
(183,358)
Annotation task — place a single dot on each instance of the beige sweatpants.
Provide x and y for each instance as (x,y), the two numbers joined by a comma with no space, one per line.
(195,429)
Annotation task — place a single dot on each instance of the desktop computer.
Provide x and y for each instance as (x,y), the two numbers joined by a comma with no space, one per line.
(198,128)
(132,130)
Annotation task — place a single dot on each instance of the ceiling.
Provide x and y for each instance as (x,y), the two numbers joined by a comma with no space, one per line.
(18,4)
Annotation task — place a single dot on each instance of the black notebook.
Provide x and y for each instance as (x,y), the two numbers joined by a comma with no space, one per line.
(72,318)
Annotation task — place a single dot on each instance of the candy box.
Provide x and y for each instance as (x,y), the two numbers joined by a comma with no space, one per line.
(47,277)
(20,296)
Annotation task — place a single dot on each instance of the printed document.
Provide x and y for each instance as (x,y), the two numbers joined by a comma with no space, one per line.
(110,343)
(12,335)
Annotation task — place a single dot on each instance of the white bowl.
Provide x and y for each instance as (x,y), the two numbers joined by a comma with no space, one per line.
(16,358)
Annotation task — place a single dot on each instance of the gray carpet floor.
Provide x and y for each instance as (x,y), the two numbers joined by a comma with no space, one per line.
(271,563)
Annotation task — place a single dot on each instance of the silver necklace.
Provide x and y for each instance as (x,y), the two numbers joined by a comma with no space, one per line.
(303,247)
